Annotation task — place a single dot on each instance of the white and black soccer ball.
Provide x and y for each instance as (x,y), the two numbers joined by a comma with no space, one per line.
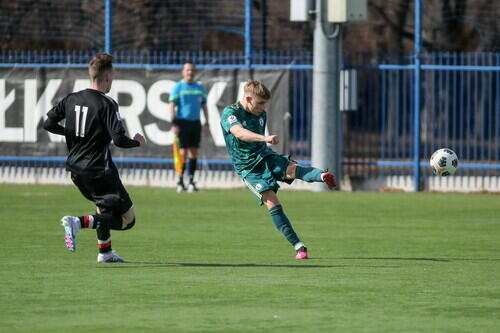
(444,162)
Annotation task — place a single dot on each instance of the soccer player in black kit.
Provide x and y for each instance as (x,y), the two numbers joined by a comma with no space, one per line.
(92,121)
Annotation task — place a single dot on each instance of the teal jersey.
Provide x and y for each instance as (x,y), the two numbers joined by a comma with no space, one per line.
(245,155)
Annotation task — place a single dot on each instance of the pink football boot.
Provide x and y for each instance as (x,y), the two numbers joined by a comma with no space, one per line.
(301,253)
(329,179)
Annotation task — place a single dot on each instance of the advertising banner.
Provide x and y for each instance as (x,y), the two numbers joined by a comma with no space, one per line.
(27,94)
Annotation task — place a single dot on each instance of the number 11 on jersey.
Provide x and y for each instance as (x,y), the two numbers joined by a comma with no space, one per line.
(81,111)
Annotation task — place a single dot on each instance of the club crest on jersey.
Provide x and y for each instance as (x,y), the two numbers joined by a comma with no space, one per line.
(244,123)
(261,122)
(232,119)
(258,187)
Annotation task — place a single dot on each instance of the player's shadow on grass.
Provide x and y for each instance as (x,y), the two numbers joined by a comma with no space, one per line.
(192,264)
(131,264)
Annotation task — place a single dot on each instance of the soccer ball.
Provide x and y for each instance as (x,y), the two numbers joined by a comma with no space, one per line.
(444,162)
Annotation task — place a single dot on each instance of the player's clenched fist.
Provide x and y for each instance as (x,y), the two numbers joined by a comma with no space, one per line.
(140,138)
(272,139)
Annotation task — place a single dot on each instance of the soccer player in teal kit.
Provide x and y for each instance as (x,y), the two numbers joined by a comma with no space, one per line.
(243,125)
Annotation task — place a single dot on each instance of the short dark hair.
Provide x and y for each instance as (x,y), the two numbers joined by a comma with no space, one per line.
(99,65)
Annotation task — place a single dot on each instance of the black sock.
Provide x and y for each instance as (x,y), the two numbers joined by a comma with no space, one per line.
(103,241)
(192,168)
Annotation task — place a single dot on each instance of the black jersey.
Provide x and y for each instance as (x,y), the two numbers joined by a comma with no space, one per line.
(92,121)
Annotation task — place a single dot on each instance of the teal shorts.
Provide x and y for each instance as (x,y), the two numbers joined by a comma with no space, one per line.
(265,175)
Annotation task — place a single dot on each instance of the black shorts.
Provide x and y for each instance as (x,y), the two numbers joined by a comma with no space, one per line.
(189,133)
(106,191)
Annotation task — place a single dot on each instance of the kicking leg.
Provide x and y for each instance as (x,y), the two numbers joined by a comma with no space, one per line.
(310,175)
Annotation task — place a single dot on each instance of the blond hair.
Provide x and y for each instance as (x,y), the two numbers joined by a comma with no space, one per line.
(257,88)
(99,65)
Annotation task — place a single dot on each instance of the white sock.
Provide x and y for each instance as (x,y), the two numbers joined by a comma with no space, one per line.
(298,245)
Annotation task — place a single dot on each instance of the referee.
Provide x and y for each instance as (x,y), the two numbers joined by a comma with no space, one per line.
(189,97)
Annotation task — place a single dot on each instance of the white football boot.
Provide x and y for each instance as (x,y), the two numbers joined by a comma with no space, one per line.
(71,225)
(180,187)
(110,256)
(192,188)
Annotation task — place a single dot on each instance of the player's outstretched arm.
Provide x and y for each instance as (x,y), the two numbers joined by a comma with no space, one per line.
(243,134)
(123,141)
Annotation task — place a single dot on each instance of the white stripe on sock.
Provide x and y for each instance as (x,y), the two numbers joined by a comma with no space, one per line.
(104,242)
(91,222)
(298,245)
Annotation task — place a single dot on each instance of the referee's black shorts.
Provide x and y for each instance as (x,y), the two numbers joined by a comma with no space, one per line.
(105,190)
(189,133)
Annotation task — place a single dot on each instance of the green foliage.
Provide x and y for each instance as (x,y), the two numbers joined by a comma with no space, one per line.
(213,262)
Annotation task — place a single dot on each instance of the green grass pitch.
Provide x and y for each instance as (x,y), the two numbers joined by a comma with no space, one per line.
(213,262)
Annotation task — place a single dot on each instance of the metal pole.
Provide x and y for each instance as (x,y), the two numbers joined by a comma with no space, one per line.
(326,117)
(248,32)
(417,101)
(107,27)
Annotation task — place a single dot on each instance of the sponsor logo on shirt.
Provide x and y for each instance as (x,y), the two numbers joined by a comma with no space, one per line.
(232,119)
(244,123)
(118,116)
(261,122)
(258,187)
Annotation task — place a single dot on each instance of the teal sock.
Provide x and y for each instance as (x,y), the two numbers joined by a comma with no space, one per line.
(308,174)
(283,224)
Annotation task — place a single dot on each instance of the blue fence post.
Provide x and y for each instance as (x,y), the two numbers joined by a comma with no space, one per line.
(248,32)
(107,27)
(417,101)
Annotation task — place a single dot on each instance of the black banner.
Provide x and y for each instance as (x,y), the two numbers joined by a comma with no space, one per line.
(26,94)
